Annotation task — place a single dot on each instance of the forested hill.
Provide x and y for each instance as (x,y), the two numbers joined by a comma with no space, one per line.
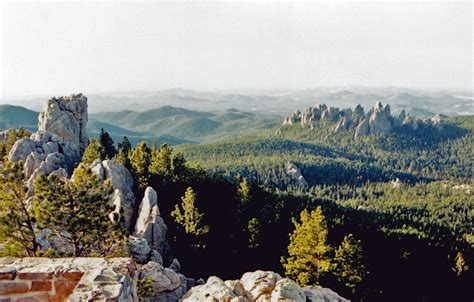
(342,159)
(166,124)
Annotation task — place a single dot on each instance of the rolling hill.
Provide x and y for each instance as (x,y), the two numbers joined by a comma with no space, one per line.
(171,125)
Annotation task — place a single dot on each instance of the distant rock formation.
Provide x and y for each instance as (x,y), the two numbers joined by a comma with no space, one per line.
(259,286)
(59,143)
(295,173)
(377,120)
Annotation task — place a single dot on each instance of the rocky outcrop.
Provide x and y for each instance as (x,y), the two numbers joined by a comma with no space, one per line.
(295,173)
(121,181)
(67,117)
(68,279)
(169,285)
(150,225)
(259,286)
(60,141)
(378,120)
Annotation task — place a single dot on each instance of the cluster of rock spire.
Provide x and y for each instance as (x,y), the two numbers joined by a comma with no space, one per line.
(377,120)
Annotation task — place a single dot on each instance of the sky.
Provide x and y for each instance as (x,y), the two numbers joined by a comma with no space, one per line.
(64,48)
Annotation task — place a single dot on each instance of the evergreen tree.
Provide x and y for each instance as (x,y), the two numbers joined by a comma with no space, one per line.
(17,232)
(349,264)
(188,216)
(123,151)
(254,232)
(161,160)
(125,145)
(308,251)
(77,212)
(179,168)
(94,151)
(243,194)
(107,142)
(460,266)
(140,158)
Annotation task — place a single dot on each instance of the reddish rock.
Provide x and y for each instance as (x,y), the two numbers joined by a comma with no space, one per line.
(35,276)
(13,288)
(41,286)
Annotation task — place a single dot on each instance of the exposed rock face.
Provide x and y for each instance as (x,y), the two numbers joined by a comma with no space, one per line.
(149,224)
(122,182)
(258,286)
(295,173)
(170,286)
(68,279)
(380,120)
(67,118)
(377,120)
(59,142)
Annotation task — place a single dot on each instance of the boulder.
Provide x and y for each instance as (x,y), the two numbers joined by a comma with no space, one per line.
(259,283)
(295,173)
(258,286)
(321,294)
(150,224)
(214,290)
(139,249)
(288,290)
(169,285)
(175,265)
(32,162)
(21,149)
(51,163)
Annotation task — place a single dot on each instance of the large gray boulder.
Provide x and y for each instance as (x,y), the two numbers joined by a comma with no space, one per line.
(21,149)
(169,285)
(259,286)
(52,163)
(67,118)
(150,224)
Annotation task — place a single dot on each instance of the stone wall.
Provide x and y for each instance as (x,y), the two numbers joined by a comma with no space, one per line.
(67,279)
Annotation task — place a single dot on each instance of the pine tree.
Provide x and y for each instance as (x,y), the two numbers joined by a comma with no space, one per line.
(125,145)
(178,167)
(107,142)
(140,158)
(308,251)
(77,212)
(349,264)
(254,232)
(460,266)
(17,232)
(188,216)
(93,151)
(123,151)
(161,160)
(243,194)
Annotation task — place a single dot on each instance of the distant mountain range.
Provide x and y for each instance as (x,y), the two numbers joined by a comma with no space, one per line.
(167,124)
(415,102)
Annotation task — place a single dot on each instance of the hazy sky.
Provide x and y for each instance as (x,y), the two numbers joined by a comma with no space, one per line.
(61,48)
